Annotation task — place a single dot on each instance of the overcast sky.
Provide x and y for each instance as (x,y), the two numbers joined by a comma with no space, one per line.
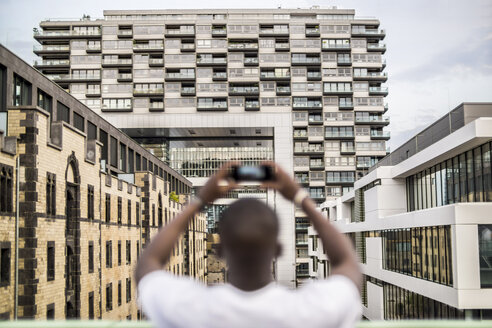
(439,52)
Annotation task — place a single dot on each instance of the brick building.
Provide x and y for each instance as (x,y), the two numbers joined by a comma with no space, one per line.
(79,200)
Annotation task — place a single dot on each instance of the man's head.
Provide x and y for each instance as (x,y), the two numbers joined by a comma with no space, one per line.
(248,232)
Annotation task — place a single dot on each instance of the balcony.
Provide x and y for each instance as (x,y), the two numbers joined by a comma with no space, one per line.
(243,46)
(328,90)
(303,180)
(120,62)
(252,105)
(347,149)
(343,135)
(300,134)
(283,90)
(116,107)
(299,273)
(313,76)
(372,76)
(340,180)
(211,61)
(93,48)
(302,242)
(125,33)
(274,76)
(310,149)
(188,31)
(156,62)
(219,32)
(219,76)
(282,46)
(250,61)
(93,93)
(156,106)
(178,76)
(188,91)
(317,195)
(315,119)
(378,91)
(65,34)
(379,47)
(344,61)
(148,92)
(372,120)
(380,135)
(265,31)
(316,165)
(215,105)
(369,33)
(345,105)
(187,47)
(70,78)
(312,31)
(335,47)
(145,47)
(244,90)
(125,77)
(51,49)
(306,61)
(302,226)
(52,63)
(310,104)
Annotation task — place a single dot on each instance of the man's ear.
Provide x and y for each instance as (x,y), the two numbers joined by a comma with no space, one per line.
(279,250)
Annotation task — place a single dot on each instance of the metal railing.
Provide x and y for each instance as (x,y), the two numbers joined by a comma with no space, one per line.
(148,324)
(211,60)
(52,62)
(51,48)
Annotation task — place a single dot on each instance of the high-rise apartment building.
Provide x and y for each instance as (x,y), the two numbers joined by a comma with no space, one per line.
(420,221)
(198,87)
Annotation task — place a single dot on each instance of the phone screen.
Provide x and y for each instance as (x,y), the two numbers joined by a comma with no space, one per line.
(251,173)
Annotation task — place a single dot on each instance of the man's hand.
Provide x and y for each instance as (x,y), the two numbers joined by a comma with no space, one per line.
(281,181)
(215,188)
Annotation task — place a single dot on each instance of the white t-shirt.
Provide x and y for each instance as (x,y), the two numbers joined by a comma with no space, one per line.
(171,301)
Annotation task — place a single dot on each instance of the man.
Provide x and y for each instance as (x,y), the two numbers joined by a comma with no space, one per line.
(248,231)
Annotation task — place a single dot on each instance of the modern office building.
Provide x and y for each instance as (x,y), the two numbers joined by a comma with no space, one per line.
(199,87)
(72,224)
(421,223)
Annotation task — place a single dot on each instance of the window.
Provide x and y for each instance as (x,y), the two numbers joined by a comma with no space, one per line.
(129,212)
(109,254)
(91,131)
(128,253)
(119,252)
(45,101)
(153,215)
(90,202)
(120,209)
(51,194)
(109,297)
(50,311)
(138,250)
(4,263)
(3,89)
(6,190)
(91,257)
(122,163)
(119,293)
(103,138)
(22,91)
(91,305)
(485,245)
(114,152)
(137,213)
(50,263)
(128,290)
(108,208)
(62,112)
(78,121)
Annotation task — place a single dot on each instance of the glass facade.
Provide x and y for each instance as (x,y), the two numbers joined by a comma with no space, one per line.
(423,252)
(485,254)
(466,177)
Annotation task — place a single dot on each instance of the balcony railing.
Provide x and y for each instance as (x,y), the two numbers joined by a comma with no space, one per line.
(52,62)
(274,31)
(60,77)
(244,90)
(243,46)
(372,76)
(66,33)
(308,149)
(212,60)
(282,46)
(156,61)
(302,180)
(148,324)
(300,134)
(219,32)
(250,61)
(146,46)
(273,75)
(153,91)
(216,105)
(252,105)
(372,119)
(180,31)
(348,134)
(281,90)
(219,76)
(124,77)
(52,48)
(376,46)
(188,91)
(306,61)
(156,106)
(307,104)
(378,90)
(380,134)
(118,62)
(344,61)
(180,76)
(344,46)
(312,31)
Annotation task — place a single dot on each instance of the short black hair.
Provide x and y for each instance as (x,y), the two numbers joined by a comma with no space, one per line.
(252,211)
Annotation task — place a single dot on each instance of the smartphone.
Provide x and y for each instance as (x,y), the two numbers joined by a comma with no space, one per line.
(252,173)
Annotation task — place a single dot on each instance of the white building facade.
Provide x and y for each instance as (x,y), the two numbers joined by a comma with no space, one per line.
(421,223)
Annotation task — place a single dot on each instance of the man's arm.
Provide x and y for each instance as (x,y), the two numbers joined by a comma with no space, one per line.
(337,246)
(159,251)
